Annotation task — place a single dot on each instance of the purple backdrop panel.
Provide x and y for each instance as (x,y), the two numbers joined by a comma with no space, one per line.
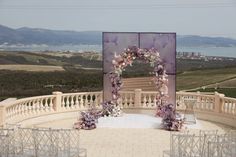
(114,43)
(165,43)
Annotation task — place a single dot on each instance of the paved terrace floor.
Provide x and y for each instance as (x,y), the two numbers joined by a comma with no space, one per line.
(128,136)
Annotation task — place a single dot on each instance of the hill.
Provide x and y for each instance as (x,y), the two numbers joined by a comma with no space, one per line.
(30,36)
(202,41)
(76,60)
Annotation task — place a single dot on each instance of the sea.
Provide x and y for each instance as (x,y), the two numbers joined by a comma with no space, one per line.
(207,51)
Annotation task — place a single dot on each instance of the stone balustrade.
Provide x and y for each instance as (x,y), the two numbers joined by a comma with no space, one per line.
(211,106)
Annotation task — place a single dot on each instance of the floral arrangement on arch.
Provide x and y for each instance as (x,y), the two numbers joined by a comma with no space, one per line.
(151,56)
(111,108)
(126,58)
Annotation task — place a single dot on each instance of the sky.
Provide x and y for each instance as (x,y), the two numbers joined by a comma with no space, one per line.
(185,17)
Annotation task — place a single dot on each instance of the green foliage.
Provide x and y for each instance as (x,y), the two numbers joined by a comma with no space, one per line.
(189,64)
(190,73)
(199,78)
(229,92)
(24,84)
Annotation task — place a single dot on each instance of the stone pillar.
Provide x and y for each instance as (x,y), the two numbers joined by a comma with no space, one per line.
(218,102)
(137,97)
(57,101)
(2,115)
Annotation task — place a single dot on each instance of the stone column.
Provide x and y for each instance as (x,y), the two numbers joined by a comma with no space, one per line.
(2,115)
(57,101)
(218,102)
(137,97)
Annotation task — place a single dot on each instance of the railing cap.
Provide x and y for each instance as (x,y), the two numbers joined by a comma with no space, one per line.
(56,93)
(9,100)
(219,94)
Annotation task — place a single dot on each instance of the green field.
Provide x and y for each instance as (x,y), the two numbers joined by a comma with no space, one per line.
(23,73)
(229,92)
(198,78)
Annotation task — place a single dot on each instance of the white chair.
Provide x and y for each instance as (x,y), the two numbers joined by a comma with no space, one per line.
(178,140)
(221,149)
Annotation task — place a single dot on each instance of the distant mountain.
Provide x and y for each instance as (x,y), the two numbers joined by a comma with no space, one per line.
(193,41)
(28,36)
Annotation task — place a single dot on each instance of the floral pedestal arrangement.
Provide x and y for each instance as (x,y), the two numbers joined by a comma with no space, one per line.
(111,109)
(87,120)
(170,120)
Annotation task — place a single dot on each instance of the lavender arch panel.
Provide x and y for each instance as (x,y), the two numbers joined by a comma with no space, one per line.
(114,43)
(165,43)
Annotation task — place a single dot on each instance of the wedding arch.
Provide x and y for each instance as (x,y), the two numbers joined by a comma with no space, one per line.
(126,58)
(160,78)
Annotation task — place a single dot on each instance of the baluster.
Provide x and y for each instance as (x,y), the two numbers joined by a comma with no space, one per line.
(21,109)
(125,101)
(25,109)
(50,105)
(90,102)
(81,101)
(41,105)
(230,107)
(119,101)
(226,107)
(8,114)
(35,106)
(234,108)
(204,103)
(207,103)
(211,104)
(223,106)
(149,100)
(76,101)
(67,102)
(131,100)
(12,111)
(200,107)
(86,101)
(18,109)
(144,100)
(155,100)
(46,104)
(95,100)
(27,104)
(30,107)
(72,102)
(63,104)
